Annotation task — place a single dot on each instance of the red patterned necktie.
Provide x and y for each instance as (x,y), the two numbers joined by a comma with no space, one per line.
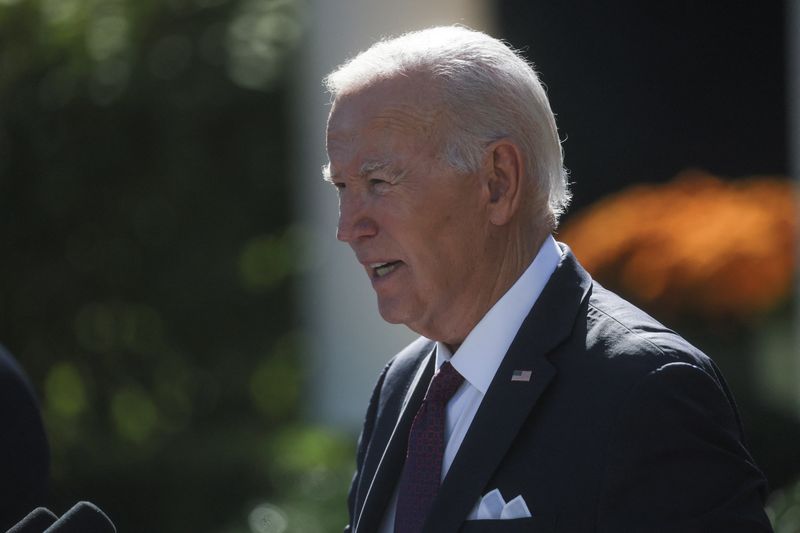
(422,471)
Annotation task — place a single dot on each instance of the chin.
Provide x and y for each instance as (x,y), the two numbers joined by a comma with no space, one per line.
(393,313)
(390,316)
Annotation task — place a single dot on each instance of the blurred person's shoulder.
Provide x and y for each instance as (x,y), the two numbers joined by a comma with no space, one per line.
(24,452)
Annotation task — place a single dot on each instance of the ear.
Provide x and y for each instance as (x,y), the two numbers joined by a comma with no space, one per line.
(504,170)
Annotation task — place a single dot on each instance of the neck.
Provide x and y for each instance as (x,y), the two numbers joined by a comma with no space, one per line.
(514,254)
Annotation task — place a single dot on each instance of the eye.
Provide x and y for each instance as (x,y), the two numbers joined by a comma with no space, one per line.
(379,184)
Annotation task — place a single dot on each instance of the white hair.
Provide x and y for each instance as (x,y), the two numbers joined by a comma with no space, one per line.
(489,92)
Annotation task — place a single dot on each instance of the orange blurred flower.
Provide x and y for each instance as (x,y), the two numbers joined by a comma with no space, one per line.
(697,246)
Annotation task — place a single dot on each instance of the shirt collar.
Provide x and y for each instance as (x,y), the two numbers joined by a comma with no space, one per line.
(480,355)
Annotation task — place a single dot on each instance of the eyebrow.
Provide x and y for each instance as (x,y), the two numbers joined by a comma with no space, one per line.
(366,169)
(373,166)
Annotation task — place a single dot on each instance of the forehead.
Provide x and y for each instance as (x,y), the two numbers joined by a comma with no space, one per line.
(383,116)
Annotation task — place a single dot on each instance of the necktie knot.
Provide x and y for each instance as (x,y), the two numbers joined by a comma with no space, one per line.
(444,384)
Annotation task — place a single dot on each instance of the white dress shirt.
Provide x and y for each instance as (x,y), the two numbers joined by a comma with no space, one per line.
(480,355)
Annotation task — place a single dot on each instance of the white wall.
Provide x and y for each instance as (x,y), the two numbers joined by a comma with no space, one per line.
(350,343)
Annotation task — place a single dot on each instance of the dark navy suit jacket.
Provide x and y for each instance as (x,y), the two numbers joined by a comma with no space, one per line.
(24,454)
(624,427)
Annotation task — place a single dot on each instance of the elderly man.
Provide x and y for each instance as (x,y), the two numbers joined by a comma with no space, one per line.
(534,400)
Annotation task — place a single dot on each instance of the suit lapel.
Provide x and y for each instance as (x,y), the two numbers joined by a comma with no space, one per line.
(390,464)
(507,403)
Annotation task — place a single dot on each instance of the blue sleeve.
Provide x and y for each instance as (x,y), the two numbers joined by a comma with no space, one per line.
(677,461)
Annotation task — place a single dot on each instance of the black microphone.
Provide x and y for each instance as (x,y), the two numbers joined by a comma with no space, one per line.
(84,517)
(35,522)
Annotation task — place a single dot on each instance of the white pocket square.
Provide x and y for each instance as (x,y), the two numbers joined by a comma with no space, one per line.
(493,507)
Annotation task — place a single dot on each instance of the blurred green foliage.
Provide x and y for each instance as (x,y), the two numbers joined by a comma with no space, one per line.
(148,259)
(784,509)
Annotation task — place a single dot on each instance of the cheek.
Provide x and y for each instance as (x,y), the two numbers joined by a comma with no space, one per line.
(438,235)
(452,257)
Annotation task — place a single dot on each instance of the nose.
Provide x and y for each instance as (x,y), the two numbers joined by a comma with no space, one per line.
(355,220)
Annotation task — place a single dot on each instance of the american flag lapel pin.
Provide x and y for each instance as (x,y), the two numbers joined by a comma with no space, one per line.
(521,375)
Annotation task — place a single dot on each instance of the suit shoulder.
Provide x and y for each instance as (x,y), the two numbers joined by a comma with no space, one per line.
(618,330)
(398,373)
(405,363)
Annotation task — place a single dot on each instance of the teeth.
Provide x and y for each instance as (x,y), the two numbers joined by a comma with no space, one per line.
(381,269)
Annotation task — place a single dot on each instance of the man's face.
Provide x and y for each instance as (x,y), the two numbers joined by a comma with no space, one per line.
(416,225)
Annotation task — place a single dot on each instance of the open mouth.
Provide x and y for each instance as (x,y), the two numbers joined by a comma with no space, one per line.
(380,270)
